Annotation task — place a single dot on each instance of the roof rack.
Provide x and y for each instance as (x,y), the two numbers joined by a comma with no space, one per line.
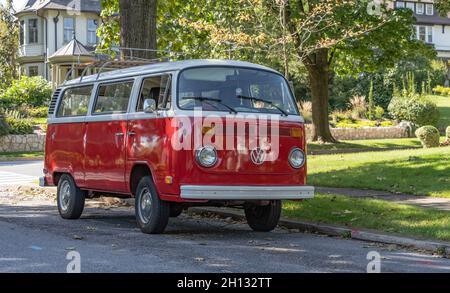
(101,66)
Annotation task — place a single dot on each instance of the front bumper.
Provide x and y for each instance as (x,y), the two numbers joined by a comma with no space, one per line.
(214,192)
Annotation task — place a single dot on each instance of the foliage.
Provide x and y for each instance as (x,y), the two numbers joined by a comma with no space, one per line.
(4,127)
(17,124)
(447,133)
(358,106)
(8,45)
(35,112)
(427,72)
(371,104)
(443,6)
(414,108)
(441,90)
(29,91)
(429,136)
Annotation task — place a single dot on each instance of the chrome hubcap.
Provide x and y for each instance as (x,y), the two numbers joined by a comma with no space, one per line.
(65,195)
(145,205)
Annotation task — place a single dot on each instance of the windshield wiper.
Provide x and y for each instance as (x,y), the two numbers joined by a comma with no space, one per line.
(264,101)
(207,99)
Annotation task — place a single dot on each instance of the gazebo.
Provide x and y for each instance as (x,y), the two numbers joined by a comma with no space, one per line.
(71,57)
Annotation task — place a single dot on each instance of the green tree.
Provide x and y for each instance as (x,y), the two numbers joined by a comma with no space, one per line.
(132,24)
(8,45)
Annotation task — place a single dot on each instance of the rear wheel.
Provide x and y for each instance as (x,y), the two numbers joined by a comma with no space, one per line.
(263,218)
(70,198)
(152,214)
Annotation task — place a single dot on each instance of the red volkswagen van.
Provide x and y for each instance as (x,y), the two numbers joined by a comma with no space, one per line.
(176,135)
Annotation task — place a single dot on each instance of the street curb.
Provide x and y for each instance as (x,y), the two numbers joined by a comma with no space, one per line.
(435,247)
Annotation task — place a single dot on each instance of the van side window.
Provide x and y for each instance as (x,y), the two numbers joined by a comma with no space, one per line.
(75,102)
(158,88)
(113,98)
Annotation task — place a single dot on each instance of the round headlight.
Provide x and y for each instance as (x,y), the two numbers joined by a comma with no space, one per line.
(206,156)
(297,158)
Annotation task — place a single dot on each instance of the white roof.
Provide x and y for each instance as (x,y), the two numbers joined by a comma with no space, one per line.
(165,67)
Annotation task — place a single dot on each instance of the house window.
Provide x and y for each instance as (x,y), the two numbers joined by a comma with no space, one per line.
(400,4)
(22,32)
(420,7)
(429,9)
(69,29)
(425,33)
(33,71)
(410,5)
(92,31)
(32,31)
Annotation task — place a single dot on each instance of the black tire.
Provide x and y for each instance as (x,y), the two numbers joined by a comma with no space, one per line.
(70,198)
(175,210)
(155,218)
(263,218)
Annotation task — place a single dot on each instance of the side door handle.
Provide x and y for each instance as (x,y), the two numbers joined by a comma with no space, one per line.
(119,134)
(131,133)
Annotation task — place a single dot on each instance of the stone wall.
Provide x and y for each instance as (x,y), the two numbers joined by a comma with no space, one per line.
(366,133)
(22,143)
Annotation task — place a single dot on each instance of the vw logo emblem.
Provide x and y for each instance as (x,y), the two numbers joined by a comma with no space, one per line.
(258,156)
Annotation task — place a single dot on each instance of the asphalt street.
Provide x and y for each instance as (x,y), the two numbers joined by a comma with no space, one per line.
(33,238)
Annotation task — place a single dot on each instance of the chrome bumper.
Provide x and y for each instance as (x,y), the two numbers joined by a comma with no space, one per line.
(214,192)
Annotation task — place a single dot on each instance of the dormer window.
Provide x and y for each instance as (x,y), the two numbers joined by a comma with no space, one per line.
(400,4)
(69,29)
(32,31)
(410,5)
(429,9)
(420,8)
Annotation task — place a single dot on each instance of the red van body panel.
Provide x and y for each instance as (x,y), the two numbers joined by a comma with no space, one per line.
(101,157)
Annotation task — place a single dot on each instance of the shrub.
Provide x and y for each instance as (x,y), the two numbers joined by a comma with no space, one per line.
(19,126)
(37,112)
(440,90)
(429,136)
(379,113)
(4,128)
(447,133)
(413,108)
(359,107)
(306,109)
(30,91)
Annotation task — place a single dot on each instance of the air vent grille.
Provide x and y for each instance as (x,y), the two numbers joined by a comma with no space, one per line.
(52,107)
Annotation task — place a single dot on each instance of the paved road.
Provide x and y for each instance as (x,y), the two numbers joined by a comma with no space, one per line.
(13,173)
(35,239)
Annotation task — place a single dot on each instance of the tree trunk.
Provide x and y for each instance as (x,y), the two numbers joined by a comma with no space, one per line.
(138,28)
(317,65)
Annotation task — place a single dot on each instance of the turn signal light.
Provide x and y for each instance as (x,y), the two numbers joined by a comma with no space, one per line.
(296,132)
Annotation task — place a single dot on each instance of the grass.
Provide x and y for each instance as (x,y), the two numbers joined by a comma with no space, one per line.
(372,214)
(367,145)
(415,171)
(444,108)
(21,155)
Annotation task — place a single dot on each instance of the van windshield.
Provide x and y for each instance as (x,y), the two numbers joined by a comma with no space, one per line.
(232,89)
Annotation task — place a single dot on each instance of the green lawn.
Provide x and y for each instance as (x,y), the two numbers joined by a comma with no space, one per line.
(413,171)
(23,155)
(372,214)
(367,145)
(444,108)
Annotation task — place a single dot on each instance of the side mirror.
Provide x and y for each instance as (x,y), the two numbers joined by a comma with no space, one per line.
(149,106)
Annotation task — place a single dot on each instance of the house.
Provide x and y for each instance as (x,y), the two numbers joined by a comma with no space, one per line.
(431,28)
(55,35)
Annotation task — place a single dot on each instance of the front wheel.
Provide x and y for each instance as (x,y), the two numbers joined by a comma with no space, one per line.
(263,218)
(70,198)
(152,214)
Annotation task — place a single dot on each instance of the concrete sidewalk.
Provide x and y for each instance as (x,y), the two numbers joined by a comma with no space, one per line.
(438,203)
